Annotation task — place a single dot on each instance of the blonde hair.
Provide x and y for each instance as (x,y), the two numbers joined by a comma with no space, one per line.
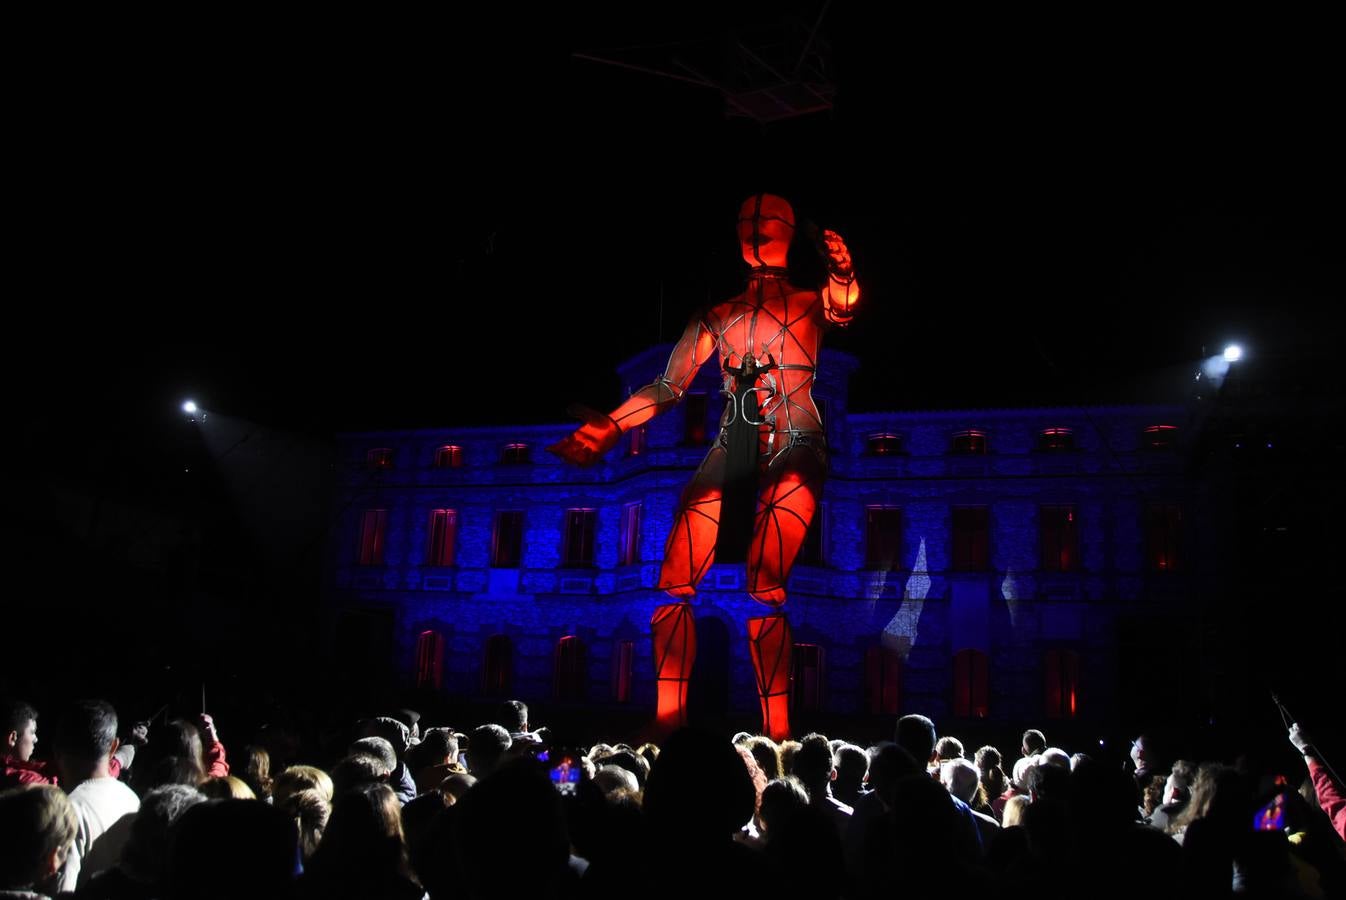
(1014,811)
(301,778)
(37,820)
(227,787)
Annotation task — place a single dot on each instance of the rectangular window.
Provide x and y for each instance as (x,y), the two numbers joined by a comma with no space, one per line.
(379,458)
(811,554)
(636,440)
(883,680)
(430,660)
(373,530)
(623,663)
(883,537)
(808,678)
(971,686)
(971,539)
(1060,538)
(1163,521)
(630,546)
(1061,672)
(696,410)
(507,540)
(579,537)
(443,535)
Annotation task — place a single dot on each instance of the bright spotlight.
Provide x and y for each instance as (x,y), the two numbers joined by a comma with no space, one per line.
(1233,353)
(189,407)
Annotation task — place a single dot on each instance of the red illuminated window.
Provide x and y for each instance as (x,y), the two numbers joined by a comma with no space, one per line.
(443,536)
(1056,440)
(623,663)
(636,440)
(971,539)
(1062,676)
(379,458)
(696,409)
(430,659)
(971,687)
(373,532)
(497,671)
(807,686)
(883,680)
(507,540)
(571,671)
(450,456)
(884,444)
(1163,522)
(579,537)
(1160,437)
(883,537)
(516,454)
(971,442)
(629,553)
(1059,533)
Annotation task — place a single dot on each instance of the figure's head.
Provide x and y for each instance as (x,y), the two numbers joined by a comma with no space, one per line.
(766,225)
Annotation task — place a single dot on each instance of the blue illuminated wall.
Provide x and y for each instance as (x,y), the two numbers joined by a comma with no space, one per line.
(1014,611)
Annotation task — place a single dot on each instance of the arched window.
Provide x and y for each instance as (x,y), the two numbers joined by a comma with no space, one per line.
(379,458)
(497,671)
(571,670)
(516,454)
(449,456)
(1160,437)
(883,680)
(971,688)
(885,443)
(1061,671)
(1056,440)
(430,659)
(971,442)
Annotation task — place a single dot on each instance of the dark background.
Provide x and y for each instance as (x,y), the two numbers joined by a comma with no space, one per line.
(332,225)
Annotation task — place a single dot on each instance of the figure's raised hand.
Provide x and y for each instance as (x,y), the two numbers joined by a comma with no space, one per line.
(838,257)
(596,436)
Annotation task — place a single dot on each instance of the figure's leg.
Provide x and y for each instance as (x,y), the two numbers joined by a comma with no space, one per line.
(792,485)
(674,633)
(771,643)
(691,544)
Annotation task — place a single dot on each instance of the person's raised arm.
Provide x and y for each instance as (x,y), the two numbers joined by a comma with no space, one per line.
(600,432)
(841,292)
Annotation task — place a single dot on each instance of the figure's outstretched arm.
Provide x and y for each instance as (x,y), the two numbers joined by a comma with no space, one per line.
(600,432)
(841,292)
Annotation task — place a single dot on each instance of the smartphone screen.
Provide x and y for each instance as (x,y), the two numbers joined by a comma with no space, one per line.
(1272,816)
(566,773)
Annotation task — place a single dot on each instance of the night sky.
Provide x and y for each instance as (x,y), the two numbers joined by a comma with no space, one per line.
(314,237)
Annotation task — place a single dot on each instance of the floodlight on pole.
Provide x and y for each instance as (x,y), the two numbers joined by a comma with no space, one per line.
(1233,353)
(189,407)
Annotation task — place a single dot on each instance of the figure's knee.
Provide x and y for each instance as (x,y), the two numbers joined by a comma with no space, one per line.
(773,597)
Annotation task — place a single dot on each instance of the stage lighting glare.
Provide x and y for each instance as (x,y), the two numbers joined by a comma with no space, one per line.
(1233,353)
(189,407)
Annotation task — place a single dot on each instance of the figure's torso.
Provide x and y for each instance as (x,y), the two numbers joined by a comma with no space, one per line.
(780,327)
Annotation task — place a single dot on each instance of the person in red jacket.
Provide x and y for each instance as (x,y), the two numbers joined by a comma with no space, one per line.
(18,736)
(1331,794)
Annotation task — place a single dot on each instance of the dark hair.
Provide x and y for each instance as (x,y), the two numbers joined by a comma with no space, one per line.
(489,743)
(256,771)
(1034,740)
(949,748)
(513,716)
(146,850)
(987,757)
(310,809)
(87,730)
(15,716)
(916,735)
(356,771)
(813,762)
(379,748)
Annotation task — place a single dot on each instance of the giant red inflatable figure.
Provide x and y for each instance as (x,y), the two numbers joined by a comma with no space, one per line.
(767,340)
